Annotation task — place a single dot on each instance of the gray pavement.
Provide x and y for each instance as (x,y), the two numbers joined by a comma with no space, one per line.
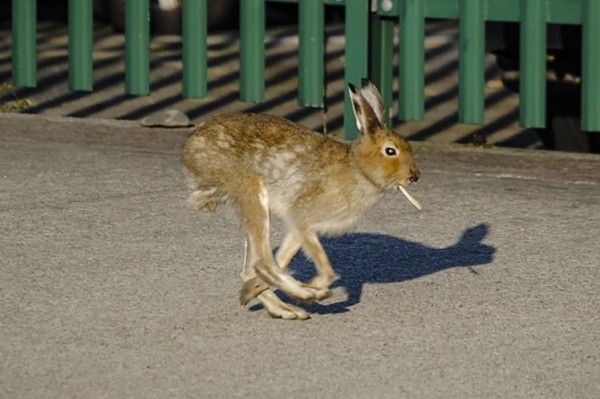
(112,287)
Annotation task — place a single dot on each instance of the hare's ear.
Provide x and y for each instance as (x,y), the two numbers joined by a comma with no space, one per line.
(366,120)
(371,94)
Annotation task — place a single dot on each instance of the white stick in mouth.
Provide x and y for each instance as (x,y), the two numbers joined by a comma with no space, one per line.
(410,197)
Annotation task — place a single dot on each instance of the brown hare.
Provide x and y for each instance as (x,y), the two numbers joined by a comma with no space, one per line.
(265,164)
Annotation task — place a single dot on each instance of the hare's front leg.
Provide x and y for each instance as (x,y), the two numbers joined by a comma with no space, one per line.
(315,251)
(279,309)
(313,248)
(287,250)
(253,199)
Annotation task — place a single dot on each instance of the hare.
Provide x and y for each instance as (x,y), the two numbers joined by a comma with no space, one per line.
(265,164)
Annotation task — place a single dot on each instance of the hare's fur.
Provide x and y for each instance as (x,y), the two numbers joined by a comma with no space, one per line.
(316,185)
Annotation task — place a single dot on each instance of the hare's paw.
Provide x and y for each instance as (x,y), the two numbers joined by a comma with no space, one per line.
(300,291)
(279,309)
(316,294)
(321,293)
(275,277)
(322,281)
(251,289)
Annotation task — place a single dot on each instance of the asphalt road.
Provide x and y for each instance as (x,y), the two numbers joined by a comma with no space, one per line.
(112,287)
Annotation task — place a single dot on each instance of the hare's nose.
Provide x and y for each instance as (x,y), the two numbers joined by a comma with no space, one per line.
(414,175)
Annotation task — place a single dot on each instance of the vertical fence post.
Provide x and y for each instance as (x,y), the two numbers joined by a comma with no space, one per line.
(252,50)
(24,66)
(590,111)
(412,61)
(80,45)
(533,63)
(471,61)
(137,46)
(194,36)
(381,60)
(311,68)
(357,33)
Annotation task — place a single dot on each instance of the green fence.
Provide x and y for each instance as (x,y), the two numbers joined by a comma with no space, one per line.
(369,50)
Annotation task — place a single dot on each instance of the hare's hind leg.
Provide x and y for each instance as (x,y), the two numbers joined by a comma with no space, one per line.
(274,306)
(253,285)
(253,199)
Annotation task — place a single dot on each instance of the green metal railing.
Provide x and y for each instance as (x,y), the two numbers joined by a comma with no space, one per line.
(80,45)
(369,50)
(23,42)
(533,16)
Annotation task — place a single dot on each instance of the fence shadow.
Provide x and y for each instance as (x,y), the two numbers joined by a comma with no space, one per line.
(366,258)
(109,100)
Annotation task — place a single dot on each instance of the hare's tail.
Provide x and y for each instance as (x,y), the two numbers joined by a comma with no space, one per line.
(207,199)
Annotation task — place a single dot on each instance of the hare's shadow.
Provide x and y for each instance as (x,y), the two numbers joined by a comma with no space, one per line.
(361,258)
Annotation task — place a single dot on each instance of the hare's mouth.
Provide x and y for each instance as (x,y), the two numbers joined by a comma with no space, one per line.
(409,197)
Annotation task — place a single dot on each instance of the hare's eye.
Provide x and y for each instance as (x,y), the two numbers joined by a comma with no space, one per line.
(390,151)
